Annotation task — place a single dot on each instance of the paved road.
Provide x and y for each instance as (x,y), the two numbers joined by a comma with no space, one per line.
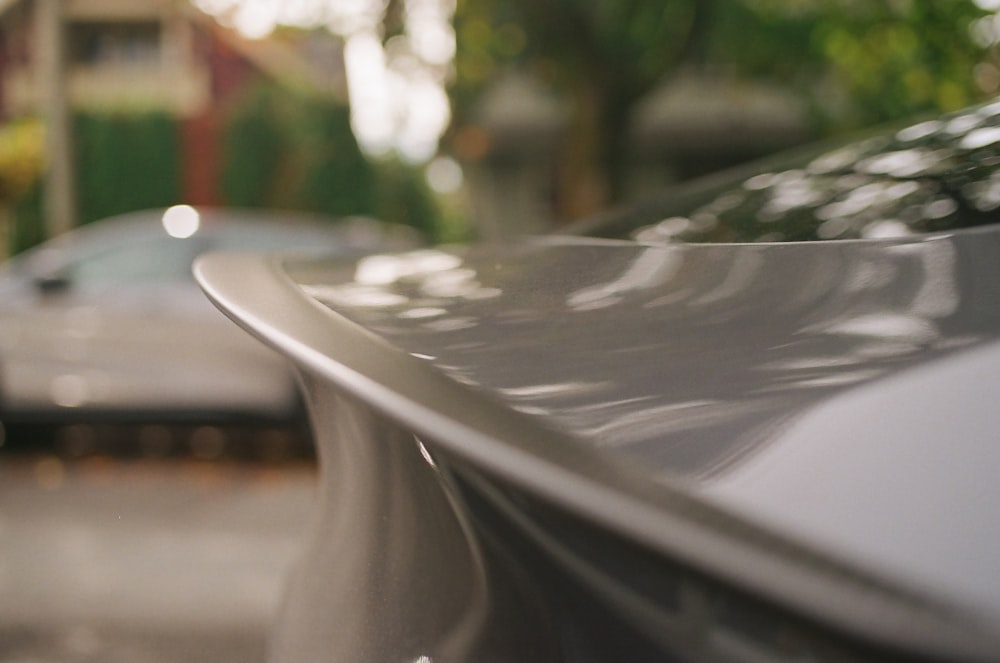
(144,561)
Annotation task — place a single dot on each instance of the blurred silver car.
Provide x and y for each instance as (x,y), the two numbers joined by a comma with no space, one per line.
(106,324)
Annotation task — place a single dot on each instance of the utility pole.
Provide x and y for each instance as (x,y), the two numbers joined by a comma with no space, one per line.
(59,201)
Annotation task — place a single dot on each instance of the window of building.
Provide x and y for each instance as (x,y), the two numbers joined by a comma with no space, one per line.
(130,43)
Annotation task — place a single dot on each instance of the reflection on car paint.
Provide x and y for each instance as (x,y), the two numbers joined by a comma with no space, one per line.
(640,323)
(883,187)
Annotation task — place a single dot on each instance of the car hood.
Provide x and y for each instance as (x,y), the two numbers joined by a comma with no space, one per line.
(840,396)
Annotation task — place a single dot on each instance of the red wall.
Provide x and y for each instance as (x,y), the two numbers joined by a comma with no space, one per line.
(201,135)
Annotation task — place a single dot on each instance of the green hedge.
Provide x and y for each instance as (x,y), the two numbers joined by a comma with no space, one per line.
(405,198)
(280,149)
(293,150)
(27,227)
(126,161)
(252,150)
(336,177)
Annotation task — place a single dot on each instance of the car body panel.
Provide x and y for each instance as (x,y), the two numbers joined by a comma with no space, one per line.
(604,377)
(661,450)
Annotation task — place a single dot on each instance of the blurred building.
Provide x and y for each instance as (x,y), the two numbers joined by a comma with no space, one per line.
(160,55)
(696,123)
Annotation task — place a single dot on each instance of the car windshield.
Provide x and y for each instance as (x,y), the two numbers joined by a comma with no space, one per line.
(931,176)
(153,259)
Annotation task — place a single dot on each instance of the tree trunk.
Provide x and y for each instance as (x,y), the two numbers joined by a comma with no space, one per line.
(591,168)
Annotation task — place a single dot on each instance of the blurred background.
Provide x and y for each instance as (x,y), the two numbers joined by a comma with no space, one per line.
(462,118)
(458,119)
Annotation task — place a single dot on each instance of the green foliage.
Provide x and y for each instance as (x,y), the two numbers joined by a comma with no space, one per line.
(289,149)
(252,149)
(602,56)
(885,59)
(857,62)
(620,46)
(125,161)
(405,198)
(337,179)
(27,225)
(21,147)
(489,37)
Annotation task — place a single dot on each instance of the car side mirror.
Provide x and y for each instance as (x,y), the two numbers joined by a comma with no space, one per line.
(52,284)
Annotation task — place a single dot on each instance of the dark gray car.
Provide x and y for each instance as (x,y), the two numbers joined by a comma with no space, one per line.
(639,449)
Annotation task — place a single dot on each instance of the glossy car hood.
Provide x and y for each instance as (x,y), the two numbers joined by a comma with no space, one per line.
(841,395)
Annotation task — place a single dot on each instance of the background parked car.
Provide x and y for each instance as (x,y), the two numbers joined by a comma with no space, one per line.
(105,324)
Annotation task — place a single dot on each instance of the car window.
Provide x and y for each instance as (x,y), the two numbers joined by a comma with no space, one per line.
(148,260)
(930,176)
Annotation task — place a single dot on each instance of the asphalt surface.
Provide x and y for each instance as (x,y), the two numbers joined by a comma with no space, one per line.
(145,561)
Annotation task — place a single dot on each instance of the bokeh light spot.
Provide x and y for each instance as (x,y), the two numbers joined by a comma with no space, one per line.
(181,221)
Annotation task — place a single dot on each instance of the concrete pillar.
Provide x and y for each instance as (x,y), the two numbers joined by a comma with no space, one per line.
(52,81)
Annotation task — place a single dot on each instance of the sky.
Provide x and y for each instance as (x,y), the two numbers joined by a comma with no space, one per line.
(397,91)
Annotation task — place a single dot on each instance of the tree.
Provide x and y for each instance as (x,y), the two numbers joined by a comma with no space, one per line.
(602,56)
(859,62)
(21,170)
(292,149)
(856,61)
